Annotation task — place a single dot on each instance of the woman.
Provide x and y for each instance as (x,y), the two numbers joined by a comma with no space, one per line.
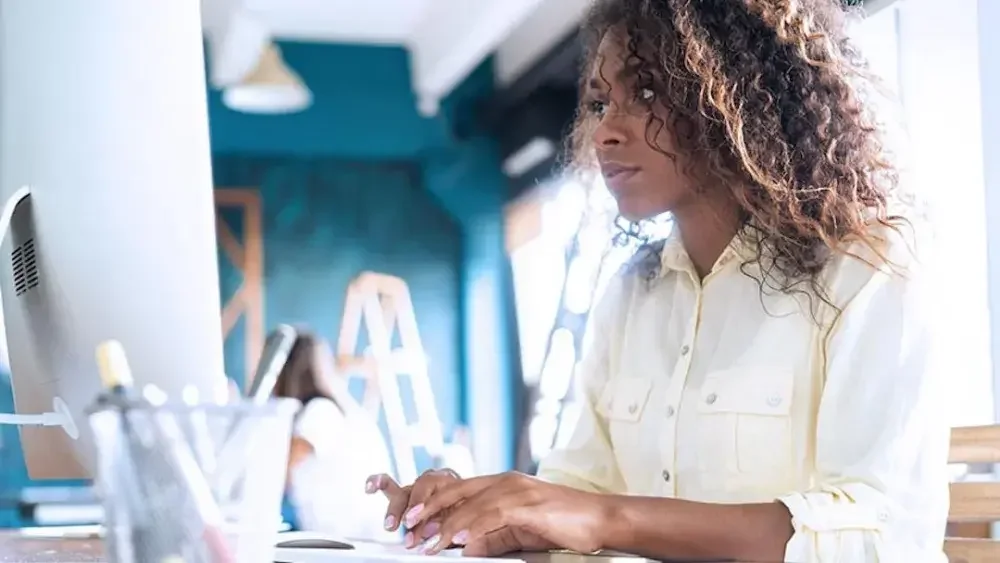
(760,386)
(334,443)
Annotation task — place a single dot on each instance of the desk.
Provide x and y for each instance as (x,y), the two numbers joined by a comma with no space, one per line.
(15,548)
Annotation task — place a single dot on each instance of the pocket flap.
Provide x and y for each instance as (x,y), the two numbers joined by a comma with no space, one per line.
(748,390)
(625,398)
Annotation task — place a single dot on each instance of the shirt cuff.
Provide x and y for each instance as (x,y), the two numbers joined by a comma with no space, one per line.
(820,518)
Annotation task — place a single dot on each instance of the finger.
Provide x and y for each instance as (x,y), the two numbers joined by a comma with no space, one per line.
(397,506)
(416,536)
(493,544)
(427,485)
(474,519)
(446,497)
(397,496)
(422,531)
(381,482)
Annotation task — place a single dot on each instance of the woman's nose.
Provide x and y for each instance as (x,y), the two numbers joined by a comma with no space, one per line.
(609,132)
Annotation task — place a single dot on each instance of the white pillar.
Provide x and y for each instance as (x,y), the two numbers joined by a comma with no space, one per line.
(939,59)
(989,78)
(989,71)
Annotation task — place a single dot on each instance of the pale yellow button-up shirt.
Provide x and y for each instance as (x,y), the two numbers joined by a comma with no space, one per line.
(710,391)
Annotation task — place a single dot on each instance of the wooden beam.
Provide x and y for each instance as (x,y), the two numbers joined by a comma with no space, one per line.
(972,550)
(232,310)
(236,197)
(230,245)
(975,444)
(248,258)
(973,501)
(253,272)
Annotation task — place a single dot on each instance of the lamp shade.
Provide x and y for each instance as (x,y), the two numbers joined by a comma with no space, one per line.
(271,88)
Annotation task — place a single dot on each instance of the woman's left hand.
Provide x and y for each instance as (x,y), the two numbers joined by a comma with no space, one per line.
(484,506)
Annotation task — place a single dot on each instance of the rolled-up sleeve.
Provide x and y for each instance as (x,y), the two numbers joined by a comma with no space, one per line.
(881,435)
(587,462)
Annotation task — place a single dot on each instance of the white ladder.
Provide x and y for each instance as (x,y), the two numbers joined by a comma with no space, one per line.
(382,304)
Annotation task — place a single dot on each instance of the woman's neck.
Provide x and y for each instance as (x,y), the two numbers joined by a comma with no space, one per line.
(706,228)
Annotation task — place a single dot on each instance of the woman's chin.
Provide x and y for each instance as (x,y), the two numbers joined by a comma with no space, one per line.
(635,211)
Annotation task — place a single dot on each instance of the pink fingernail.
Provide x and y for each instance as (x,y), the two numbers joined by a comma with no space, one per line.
(431,528)
(369,487)
(409,540)
(412,514)
(461,538)
(390,522)
(429,545)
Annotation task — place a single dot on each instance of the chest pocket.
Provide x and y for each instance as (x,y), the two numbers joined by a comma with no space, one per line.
(744,422)
(623,403)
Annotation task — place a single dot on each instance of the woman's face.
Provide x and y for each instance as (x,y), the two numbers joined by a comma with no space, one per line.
(643,180)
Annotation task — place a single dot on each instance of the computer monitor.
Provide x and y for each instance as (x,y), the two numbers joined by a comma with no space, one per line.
(103,116)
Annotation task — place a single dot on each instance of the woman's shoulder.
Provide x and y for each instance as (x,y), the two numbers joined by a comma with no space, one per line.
(323,406)
(643,266)
(318,417)
(897,251)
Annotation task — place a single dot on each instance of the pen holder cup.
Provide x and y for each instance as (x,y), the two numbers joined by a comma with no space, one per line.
(191,484)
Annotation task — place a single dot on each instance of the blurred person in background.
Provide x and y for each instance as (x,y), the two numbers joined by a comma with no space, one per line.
(335,445)
(762,385)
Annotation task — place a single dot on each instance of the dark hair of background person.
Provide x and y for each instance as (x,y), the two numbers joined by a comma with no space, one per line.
(766,99)
(303,375)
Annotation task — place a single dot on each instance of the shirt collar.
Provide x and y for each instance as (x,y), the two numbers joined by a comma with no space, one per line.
(654,260)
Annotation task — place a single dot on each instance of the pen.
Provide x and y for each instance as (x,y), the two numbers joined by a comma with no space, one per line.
(116,377)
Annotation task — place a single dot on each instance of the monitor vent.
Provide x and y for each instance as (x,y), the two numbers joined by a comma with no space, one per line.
(25,267)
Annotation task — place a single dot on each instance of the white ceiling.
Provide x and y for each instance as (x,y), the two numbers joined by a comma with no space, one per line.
(343,21)
(447,39)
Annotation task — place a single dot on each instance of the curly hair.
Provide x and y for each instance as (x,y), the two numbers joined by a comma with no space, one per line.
(765,98)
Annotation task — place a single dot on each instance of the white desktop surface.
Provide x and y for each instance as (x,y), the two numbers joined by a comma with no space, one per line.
(365,552)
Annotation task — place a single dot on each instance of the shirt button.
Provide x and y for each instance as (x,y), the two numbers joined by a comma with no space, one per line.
(665,475)
(632,408)
(685,349)
(774,400)
(883,516)
(711,398)
(670,411)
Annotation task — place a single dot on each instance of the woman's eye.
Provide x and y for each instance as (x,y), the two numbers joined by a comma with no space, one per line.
(646,94)
(596,107)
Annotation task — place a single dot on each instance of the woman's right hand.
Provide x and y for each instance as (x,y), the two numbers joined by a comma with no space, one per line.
(404,499)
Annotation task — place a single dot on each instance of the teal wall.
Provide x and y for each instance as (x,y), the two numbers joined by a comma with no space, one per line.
(363,109)
(325,221)
(346,186)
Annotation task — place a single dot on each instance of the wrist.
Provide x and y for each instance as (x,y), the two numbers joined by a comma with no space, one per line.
(614,527)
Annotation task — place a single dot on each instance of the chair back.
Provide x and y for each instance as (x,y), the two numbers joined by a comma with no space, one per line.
(974,502)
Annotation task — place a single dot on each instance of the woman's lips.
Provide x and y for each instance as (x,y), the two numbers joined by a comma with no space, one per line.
(616,175)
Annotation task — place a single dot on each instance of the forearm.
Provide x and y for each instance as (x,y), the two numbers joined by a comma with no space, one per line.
(663,528)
